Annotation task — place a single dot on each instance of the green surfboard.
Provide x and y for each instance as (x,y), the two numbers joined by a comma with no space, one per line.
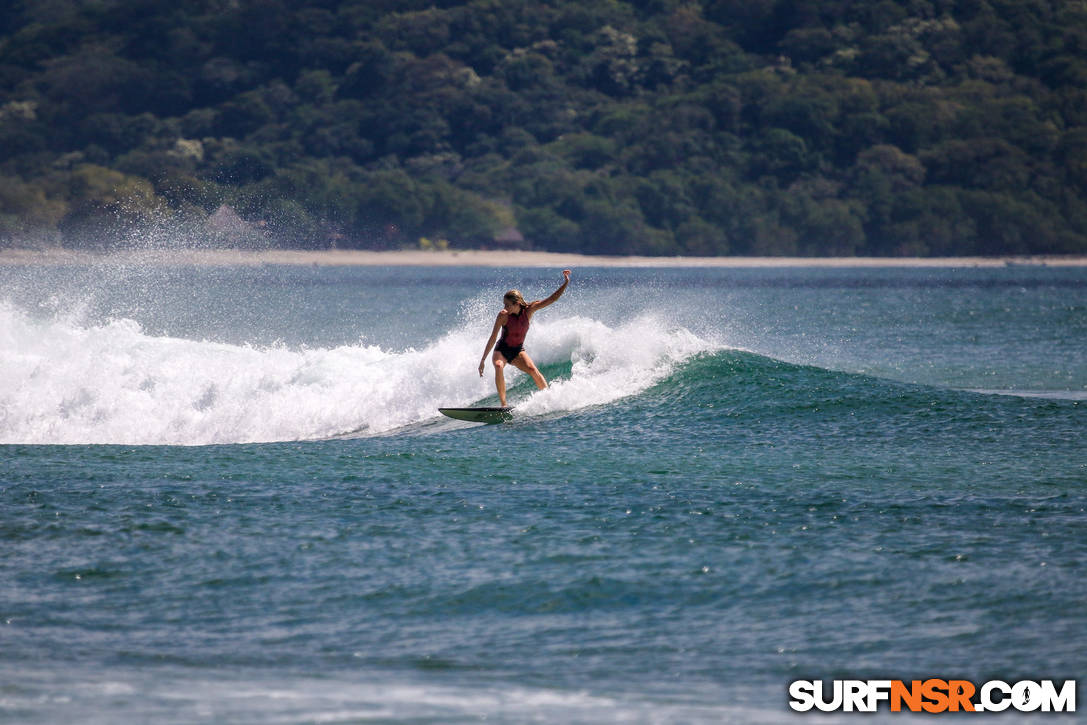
(479,415)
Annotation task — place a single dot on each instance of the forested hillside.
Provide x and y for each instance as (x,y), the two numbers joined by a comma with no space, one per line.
(837,127)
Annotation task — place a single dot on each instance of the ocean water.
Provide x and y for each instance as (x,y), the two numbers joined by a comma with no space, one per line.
(226,495)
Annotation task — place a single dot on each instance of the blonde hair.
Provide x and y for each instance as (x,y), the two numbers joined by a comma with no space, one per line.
(515,296)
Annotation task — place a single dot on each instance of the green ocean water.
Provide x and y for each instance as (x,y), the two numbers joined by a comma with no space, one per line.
(226,494)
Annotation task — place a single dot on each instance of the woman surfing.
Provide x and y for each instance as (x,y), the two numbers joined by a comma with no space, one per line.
(513,323)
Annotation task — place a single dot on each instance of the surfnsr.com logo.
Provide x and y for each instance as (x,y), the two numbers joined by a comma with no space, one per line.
(932,696)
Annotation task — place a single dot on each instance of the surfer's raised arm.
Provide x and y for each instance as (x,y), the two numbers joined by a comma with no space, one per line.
(540,304)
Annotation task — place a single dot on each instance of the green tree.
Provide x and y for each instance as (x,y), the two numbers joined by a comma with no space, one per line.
(107,207)
(26,210)
(653,126)
(549,230)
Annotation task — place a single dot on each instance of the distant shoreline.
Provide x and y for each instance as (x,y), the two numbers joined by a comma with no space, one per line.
(494,258)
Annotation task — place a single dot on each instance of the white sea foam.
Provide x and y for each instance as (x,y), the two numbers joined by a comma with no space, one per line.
(184,697)
(68,381)
(607,363)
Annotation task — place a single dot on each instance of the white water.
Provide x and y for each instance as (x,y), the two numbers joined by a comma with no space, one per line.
(67,381)
(366,697)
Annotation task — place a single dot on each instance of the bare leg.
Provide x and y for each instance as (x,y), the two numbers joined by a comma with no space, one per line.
(500,377)
(524,363)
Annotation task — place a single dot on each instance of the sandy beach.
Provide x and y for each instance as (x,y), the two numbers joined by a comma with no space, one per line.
(492,258)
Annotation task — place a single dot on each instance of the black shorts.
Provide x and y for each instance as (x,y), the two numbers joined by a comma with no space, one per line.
(508,351)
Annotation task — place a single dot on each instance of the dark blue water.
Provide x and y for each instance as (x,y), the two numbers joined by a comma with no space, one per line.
(226,494)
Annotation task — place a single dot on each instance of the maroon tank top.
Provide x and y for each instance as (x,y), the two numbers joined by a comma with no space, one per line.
(513,334)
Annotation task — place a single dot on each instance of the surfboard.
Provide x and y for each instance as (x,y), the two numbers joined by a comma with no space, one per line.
(479,415)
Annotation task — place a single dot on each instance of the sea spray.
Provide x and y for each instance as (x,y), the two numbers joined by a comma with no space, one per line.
(71,382)
(608,364)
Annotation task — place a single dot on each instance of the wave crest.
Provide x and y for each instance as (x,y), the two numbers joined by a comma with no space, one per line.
(69,382)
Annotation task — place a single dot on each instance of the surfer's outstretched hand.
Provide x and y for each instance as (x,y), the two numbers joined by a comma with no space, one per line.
(482,366)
